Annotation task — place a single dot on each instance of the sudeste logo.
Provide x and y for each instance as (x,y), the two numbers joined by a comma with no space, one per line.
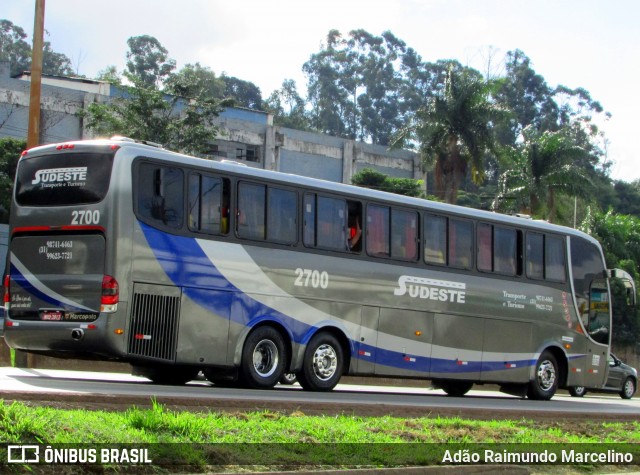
(60,175)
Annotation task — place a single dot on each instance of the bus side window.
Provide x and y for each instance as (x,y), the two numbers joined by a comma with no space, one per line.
(208,204)
(309,220)
(378,231)
(535,255)
(505,250)
(282,215)
(250,223)
(331,223)
(554,259)
(404,234)
(435,239)
(354,231)
(460,243)
(160,195)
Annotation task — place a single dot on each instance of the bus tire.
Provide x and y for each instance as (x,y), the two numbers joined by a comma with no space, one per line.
(263,358)
(323,363)
(456,388)
(545,379)
(170,375)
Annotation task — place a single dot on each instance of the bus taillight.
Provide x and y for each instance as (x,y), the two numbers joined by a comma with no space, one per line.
(110,295)
(7,295)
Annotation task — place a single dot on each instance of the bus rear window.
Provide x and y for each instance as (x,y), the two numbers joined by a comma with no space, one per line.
(63,179)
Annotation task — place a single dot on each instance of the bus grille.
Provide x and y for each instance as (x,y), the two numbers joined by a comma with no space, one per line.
(154,326)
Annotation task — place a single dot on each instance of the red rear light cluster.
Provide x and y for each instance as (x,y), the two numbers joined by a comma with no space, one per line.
(65,146)
(110,295)
(7,294)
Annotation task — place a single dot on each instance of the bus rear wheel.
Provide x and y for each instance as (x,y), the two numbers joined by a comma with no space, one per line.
(172,375)
(545,379)
(263,358)
(455,388)
(323,363)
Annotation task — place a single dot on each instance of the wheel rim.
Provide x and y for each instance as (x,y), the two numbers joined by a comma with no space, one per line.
(325,362)
(265,358)
(629,388)
(579,389)
(546,375)
(289,377)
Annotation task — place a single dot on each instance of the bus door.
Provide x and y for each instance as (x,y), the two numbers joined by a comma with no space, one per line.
(591,288)
(404,343)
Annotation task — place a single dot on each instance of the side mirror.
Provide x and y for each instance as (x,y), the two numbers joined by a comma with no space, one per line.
(628,282)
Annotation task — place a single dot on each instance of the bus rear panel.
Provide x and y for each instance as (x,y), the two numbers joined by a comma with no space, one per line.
(58,285)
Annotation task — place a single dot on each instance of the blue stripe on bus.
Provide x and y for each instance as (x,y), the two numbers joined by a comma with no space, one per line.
(186,264)
(193,267)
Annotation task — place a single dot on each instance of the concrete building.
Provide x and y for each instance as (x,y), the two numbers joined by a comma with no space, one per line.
(246,135)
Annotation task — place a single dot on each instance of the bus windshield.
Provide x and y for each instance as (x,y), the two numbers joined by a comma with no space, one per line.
(63,179)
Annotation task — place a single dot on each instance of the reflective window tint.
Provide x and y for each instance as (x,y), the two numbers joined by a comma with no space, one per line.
(309,223)
(504,250)
(282,213)
(404,234)
(460,243)
(331,219)
(378,231)
(206,211)
(535,255)
(554,259)
(63,179)
(251,211)
(485,247)
(160,195)
(435,239)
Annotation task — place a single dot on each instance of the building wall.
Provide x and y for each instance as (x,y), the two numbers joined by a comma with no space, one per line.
(245,135)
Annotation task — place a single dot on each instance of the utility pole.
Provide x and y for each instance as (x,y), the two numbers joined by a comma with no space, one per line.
(22,359)
(33,132)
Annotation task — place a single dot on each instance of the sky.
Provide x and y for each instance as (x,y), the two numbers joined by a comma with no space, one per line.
(591,44)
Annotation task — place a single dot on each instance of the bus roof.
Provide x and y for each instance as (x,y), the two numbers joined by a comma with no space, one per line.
(134,149)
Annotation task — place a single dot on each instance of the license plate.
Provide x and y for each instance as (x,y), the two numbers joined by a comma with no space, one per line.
(52,315)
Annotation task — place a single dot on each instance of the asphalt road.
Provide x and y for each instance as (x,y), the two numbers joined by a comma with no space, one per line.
(89,389)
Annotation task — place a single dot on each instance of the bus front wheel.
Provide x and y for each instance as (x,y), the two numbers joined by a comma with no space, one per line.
(545,379)
(263,358)
(323,363)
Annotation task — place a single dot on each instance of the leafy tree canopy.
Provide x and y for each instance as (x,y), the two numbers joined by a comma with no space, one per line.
(370,178)
(10,150)
(175,110)
(15,50)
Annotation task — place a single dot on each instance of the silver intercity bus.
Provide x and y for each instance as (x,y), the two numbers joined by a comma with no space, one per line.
(177,265)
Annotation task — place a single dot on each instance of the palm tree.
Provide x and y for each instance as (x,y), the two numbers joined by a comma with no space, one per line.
(541,167)
(454,131)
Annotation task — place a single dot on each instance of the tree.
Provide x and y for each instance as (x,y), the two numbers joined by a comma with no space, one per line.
(10,150)
(354,86)
(244,93)
(152,108)
(148,60)
(619,236)
(287,107)
(370,178)
(17,51)
(13,47)
(195,80)
(540,168)
(454,130)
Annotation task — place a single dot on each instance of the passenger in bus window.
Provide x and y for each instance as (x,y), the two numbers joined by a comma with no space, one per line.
(355,232)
